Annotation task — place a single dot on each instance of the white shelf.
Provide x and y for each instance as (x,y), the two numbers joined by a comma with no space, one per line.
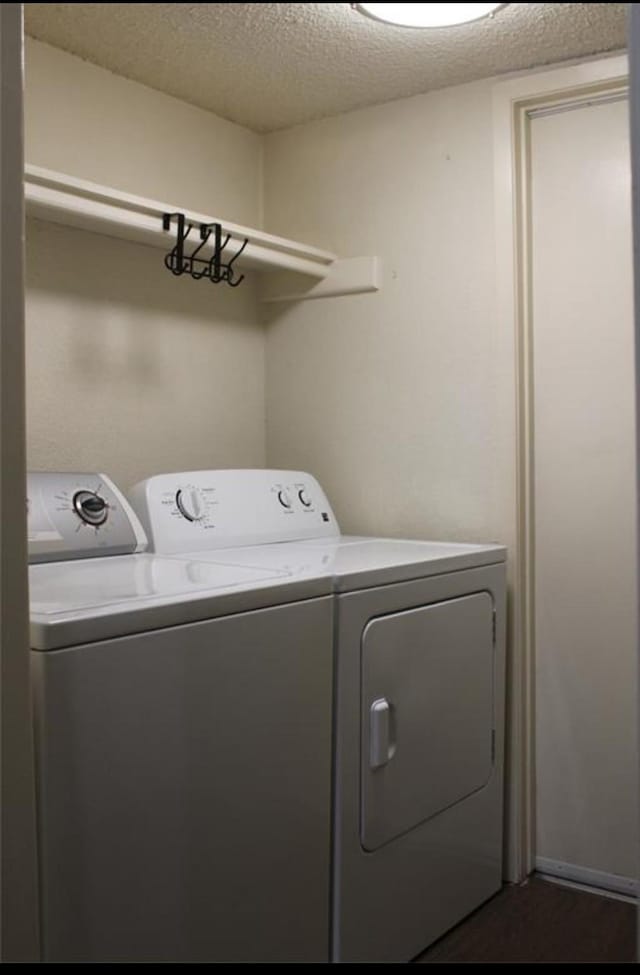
(72,202)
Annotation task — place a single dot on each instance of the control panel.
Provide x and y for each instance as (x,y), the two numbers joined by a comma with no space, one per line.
(204,510)
(75,516)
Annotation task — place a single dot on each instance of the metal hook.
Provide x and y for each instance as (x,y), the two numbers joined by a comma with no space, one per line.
(229,278)
(175,260)
(230,271)
(205,233)
(178,262)
(215,267)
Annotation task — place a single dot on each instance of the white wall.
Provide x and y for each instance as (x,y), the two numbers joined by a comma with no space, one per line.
(87,122)
(131,370)
(401,402)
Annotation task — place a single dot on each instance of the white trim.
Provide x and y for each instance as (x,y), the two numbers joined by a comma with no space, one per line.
(74,202)
(571,106)
(634,45)
(512,99)
(587,889)
(588,877)
(19,886)
(302,271)
(350,276)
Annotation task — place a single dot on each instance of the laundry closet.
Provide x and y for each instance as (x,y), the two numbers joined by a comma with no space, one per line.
(388,345)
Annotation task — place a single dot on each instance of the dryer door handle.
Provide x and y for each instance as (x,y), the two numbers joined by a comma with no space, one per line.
(381,733)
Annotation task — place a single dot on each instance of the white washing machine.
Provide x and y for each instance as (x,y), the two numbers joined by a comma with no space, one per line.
(183,735)
(419,696)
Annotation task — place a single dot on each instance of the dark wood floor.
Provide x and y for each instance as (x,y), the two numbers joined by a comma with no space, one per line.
(541,922)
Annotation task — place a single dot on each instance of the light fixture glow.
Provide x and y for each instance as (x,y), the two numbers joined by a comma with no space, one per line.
(427,14)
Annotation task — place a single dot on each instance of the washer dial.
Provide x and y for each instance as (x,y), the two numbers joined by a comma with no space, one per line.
(90,508)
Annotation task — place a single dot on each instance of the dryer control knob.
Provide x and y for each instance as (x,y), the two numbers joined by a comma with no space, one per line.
(190,504)
(285,499)
(304,498)
(91,508)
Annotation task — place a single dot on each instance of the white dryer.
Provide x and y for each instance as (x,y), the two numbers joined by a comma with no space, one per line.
(418,704)
(183,735)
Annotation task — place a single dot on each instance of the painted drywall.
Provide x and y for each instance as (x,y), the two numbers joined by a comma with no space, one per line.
(87,122)
(131,370)
(400,402)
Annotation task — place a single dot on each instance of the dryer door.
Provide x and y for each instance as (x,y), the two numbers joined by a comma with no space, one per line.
(427,713)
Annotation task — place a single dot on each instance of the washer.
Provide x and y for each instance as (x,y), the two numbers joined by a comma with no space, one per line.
(418,704)
(183,740)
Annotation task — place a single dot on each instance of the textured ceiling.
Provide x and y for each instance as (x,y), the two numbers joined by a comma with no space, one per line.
(272,65)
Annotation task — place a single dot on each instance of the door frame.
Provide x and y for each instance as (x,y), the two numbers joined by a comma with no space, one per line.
(513,100)
(18,877)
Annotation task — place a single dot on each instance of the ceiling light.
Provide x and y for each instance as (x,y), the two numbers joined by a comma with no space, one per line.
(427,14)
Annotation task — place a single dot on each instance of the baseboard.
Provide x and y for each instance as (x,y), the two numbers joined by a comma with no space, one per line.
(589,878)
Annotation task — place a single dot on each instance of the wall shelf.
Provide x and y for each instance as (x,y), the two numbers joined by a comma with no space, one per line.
(72,202)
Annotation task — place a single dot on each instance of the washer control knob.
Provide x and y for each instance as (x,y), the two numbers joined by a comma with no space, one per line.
(90,508)
(190,504)
(304,498)
(285,499)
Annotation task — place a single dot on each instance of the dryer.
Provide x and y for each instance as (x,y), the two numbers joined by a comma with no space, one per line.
(418,709)
(183,738)
(419,728)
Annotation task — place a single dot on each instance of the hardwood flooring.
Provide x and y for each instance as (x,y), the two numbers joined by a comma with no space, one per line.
(541,922)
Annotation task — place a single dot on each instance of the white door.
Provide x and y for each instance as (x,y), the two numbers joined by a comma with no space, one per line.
(584,505)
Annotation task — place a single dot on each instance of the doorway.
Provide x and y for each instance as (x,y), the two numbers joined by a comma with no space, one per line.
(519,105)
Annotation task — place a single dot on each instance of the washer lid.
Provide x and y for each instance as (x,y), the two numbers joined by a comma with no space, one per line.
(95,599)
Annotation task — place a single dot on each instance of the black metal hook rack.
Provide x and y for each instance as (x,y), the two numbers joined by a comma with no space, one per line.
(215,268)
